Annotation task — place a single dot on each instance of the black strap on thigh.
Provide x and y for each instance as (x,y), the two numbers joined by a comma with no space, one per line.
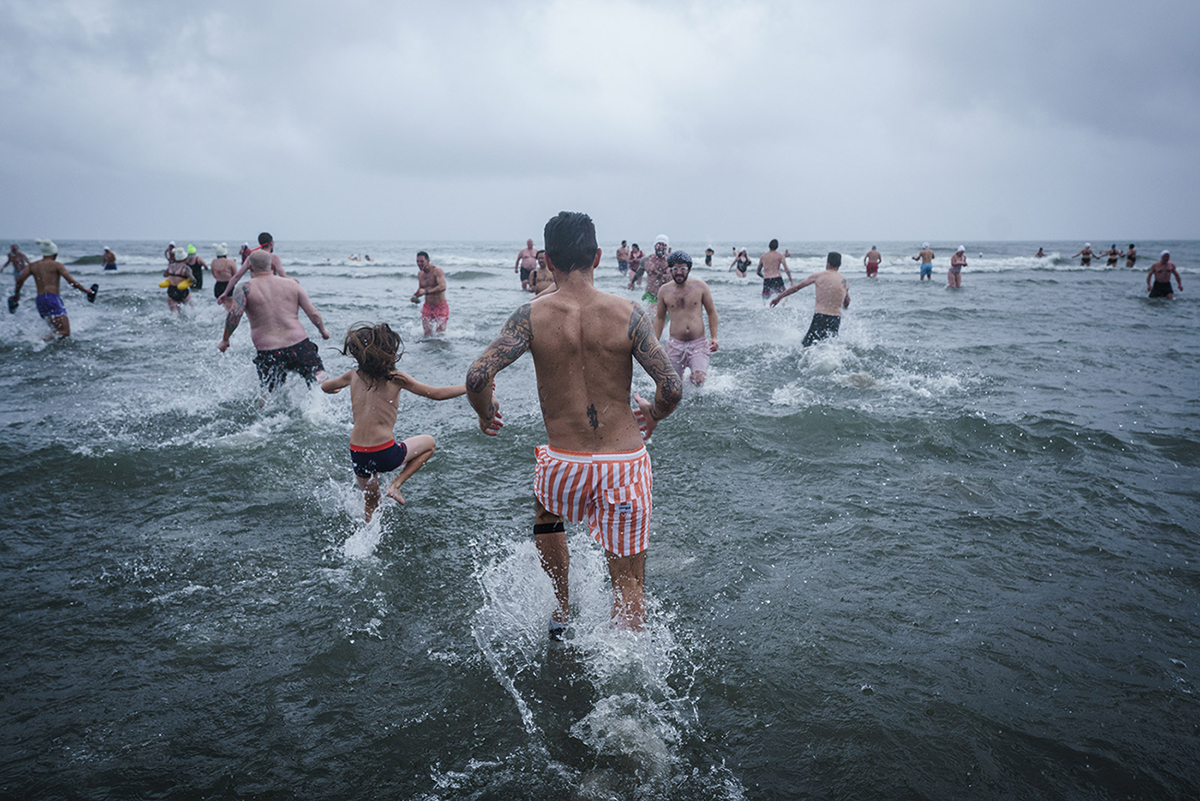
(548,528)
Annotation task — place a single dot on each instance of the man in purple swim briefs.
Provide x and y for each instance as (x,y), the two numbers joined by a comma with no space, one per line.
(47,273)
(685,300)
(272,304)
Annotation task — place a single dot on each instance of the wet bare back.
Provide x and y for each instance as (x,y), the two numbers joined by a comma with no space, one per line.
(46,274)
(272,305)
(582,350)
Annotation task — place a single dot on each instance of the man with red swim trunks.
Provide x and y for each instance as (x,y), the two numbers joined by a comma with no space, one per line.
(431,283)
(595,467)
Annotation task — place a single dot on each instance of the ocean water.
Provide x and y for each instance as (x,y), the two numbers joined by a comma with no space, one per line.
(951,554)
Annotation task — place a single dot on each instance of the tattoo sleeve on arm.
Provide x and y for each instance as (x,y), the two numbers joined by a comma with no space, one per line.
(515,338)
(653,359)
(236,310)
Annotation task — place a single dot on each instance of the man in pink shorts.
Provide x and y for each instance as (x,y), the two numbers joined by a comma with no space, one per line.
(431,283)
(595,468)
(683,299)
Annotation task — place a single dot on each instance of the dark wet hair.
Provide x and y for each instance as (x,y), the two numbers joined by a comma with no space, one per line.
(540,252)
(264,238)
(423,253)
(376,348)
(773,244)
(834,259)
(570,241)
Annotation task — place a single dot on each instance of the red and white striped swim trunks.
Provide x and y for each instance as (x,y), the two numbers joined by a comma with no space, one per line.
(611,492)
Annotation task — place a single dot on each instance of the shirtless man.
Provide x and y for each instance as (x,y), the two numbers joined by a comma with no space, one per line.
(1131,255)
(431,283)
(1113,254)
(47,273)
(595,467)
(526,261)
(769,265)
(957,262)
(872,260)
(176,273)
(655,269)
(623,258)
(683,300)
(265,242)
(926,259)
(1085,255)
(109,259)
(635,265)
(833,295)
(18,260)
(222,269)
(1161,271)
(541,280)
(272,304)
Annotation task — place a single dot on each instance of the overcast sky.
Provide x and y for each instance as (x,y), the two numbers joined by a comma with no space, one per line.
(714,121)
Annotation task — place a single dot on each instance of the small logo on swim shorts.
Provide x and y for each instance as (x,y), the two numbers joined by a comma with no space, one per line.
(625,508)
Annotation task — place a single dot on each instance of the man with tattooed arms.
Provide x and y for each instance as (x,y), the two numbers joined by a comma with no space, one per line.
(595,467)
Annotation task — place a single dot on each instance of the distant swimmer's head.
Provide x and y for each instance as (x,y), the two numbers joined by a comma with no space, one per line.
(221,249)
(834,259)
(925,245)
(376,348)
(709,251)
(179,254)
(107,249)
(1164,254)
(422,259)
(661,245)
(961,249)
(680,264)
(191,249)
(1087,244)
(48,248)
(260,262)
(541,258)
(571,241)
(170,244)
(264,239)
(773,244)
(1132,245)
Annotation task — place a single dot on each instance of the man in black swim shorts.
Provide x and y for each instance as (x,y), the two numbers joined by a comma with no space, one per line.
(833,295)
(273,305)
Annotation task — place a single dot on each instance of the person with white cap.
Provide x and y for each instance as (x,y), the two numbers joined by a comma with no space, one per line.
(47,273)
(222,269)
(741,262)
(1161,271)
(957,262)
(109,259)
(179,279)
(926,259)
(655,269)
(1085,255)
(170,253)
(769,266)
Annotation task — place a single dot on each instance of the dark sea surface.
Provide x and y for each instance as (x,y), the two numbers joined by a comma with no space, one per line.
(952,554)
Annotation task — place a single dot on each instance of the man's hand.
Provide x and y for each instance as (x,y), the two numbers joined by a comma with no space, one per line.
(492,427)
(324,333)
(712,346)
(223,345)
(642,414)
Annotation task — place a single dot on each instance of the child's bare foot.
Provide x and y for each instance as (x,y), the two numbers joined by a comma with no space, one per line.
(393,492)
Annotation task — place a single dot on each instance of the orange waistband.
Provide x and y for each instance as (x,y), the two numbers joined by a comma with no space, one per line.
(371,448)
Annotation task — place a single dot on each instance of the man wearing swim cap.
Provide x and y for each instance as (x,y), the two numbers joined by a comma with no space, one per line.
(431,284)
(267,243)
(595,467)
(272,305)
(1161,271)
(769,266)
(109,260)
(222,269)
(655,269)
(686,301)
(47,273)
(833,295)
(926,258)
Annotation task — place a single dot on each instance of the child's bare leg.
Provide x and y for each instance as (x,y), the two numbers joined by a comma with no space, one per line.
(420,448)
(370,488)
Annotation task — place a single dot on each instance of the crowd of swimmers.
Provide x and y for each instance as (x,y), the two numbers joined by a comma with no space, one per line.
(594,468)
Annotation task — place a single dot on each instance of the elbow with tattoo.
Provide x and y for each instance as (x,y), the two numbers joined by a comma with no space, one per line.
(477,380)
